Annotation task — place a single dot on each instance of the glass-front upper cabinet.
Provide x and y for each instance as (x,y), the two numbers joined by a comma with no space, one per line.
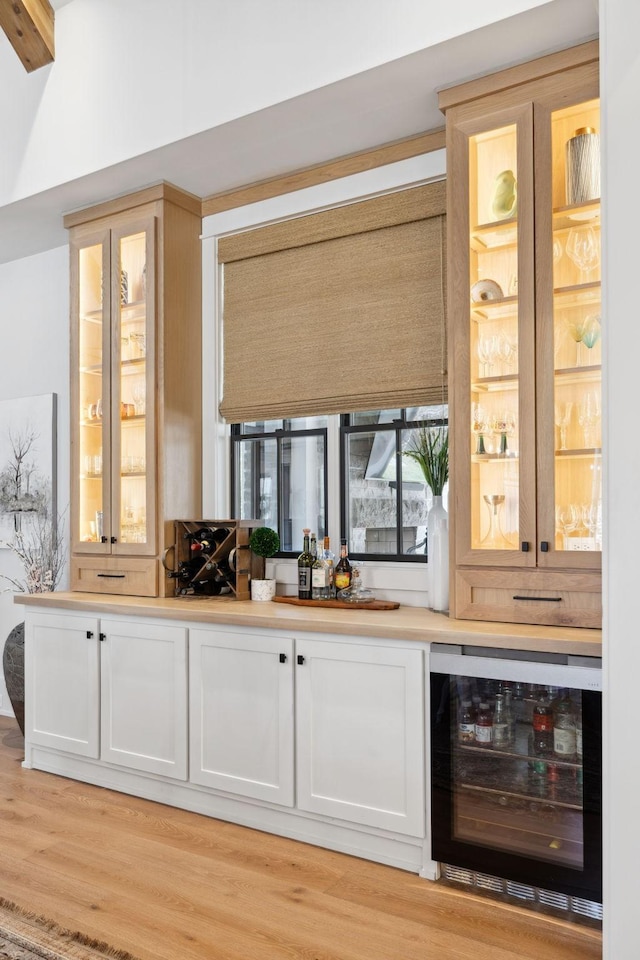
(571,322)
(525,325)
(112,349)
(499,426)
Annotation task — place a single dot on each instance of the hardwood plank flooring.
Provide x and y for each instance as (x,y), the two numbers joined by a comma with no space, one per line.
(166,884)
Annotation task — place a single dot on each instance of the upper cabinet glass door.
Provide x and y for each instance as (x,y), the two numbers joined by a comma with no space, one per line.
(501,384)
(91,385)
(571,506)
(132,400)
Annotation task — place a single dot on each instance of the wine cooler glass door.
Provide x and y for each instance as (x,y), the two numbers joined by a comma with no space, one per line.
(516,780)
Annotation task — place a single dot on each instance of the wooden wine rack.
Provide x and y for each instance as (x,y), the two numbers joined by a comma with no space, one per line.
(231,558)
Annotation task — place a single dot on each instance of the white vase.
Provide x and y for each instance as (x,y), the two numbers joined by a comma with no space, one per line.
(438,556)
(263,589)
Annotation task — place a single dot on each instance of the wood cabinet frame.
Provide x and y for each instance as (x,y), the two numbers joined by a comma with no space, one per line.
(534,582)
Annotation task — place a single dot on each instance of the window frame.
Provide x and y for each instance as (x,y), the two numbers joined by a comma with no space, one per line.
(396,426)
(280,435)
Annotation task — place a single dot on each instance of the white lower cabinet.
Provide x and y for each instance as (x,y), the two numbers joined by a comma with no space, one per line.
(358,723)
(360,734)
(113,690)
(319,738)
(62,683)
(241,714)
(143,697)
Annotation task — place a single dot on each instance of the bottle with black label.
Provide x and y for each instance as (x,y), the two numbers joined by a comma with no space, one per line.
(305,565)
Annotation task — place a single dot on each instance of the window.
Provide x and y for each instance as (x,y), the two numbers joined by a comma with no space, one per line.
(281,472)
(279,476)
(385,500)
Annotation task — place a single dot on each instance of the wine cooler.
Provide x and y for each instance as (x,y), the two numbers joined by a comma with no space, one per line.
(516,767)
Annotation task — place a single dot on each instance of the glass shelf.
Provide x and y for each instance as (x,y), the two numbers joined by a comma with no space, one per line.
(494,309)
(493,236)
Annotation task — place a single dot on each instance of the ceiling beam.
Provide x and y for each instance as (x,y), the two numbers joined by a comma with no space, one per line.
(29,25)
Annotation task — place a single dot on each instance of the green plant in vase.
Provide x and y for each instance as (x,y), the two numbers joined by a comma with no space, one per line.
(264,543)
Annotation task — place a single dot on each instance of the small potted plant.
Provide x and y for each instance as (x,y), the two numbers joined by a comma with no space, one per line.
(264,543)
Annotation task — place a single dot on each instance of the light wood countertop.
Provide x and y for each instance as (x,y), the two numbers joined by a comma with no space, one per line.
(405,623)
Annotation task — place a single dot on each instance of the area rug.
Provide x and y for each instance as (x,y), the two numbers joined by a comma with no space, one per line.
(27,936)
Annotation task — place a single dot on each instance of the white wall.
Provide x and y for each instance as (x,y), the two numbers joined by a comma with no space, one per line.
(34,359)
(133,75)
(620,60)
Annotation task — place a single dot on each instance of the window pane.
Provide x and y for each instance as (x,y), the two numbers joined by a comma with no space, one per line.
(416,496)
(374,416)
(302,494)
(372,512)
(256,471)
(260,426)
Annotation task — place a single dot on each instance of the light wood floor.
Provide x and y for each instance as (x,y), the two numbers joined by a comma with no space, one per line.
(171,885)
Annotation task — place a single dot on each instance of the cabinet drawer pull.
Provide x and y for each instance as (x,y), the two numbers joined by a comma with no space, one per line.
(300,659)
(543,599)
(112,576)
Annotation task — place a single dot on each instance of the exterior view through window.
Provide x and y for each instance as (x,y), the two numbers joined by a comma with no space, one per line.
(280,472)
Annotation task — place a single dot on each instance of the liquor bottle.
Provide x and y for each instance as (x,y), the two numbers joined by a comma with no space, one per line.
(564,730)
(320,577)
(510,718)
(500,724)
(330,560)
(467,723)
(305,563)
(542,724)
(342,578)
(484,725)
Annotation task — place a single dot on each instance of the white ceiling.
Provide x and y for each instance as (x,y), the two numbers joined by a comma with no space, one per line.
(392,101)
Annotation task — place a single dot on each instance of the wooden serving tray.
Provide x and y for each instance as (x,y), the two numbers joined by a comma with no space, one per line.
(343,604)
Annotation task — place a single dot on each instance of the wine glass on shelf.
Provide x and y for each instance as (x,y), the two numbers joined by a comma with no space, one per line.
(563,413)
(479,426)
(504,426)
(591,330)
(583,250)
(506,351)
(588,419)
(138,395)
(486,348)
(567,517)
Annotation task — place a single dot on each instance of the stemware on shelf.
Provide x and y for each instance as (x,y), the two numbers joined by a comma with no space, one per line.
(567,519)
(479,426)
(583,250)
(589,419)
(563,413)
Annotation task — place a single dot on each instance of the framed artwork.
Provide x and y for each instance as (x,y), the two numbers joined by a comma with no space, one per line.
(27,466)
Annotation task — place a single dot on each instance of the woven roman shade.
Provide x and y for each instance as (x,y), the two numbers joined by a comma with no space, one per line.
(337,311)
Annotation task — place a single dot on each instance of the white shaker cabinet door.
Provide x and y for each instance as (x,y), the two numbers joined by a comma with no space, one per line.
(360,734)
(144,697)
(62,676)
(241,721)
